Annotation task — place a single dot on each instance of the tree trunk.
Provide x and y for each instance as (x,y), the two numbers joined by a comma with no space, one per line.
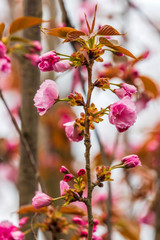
(30,82)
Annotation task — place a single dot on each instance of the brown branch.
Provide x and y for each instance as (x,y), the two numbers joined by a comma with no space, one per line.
(87,143)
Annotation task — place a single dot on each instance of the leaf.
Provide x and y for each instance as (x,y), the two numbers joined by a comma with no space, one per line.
(129,229)
(107,30)
(2,26)
(19,39)
(24,22)
(72,36)
(89,29)
(60,32)
(150,86)
(94,19)
(107,43)
(73,210)
(30,209)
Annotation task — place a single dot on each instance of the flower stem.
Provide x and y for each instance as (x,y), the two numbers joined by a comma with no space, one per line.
(87,143)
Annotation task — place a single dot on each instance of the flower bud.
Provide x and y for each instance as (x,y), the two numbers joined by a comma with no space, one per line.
(64,170)
(41,200)
(68,177)
(131,161)
(81,172)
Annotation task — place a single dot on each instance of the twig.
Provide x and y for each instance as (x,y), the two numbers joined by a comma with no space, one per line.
(23,140)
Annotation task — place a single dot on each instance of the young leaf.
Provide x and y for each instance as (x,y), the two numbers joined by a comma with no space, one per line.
(94,19)
(60,32)
(73,210)
(30,209)
(150,86)
(107,30)
(24,22)
(89,29)
(73,36)
(107,43)
(2,26)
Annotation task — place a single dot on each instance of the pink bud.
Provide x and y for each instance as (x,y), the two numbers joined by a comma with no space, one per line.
(2,49)
(81,172)
(17,235)
(64,170)
(125,90)
(84,233)
(46,96)
(68,177)
(62,66)
(41,200)
(63,187)
(77,220)
(131,161)
(23,221)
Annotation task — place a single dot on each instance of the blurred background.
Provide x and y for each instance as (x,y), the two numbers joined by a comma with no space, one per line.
(134,194)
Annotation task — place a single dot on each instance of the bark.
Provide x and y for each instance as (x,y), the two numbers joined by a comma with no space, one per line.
(157,220)
(30,83)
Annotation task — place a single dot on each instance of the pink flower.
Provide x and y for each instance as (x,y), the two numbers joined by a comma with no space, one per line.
(64,170)
(47,61)
(41,200)
(6,228)
(72,132)
(5,66)
(125,90)
(81,172)
(2,49)
(123,114)
(34,58)
(62,66)
(63,187)
(23,221)
(18,235)
(46,96)
(131,161)
(37,46)
(77,220)
(68,177)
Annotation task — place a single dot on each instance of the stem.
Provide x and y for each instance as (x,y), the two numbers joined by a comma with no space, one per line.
(87,143)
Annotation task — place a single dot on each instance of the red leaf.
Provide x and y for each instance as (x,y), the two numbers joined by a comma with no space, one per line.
(107,30)
(60,32)
(2,26)
(107,43)
(72,36)
(94,19)
(24,22)
(150,86)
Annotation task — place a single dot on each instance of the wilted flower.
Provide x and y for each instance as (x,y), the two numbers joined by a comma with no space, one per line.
(41,200)
(46,96)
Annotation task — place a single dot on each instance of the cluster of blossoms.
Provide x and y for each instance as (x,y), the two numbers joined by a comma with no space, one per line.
(122,113)
(10,232)
(5,62)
